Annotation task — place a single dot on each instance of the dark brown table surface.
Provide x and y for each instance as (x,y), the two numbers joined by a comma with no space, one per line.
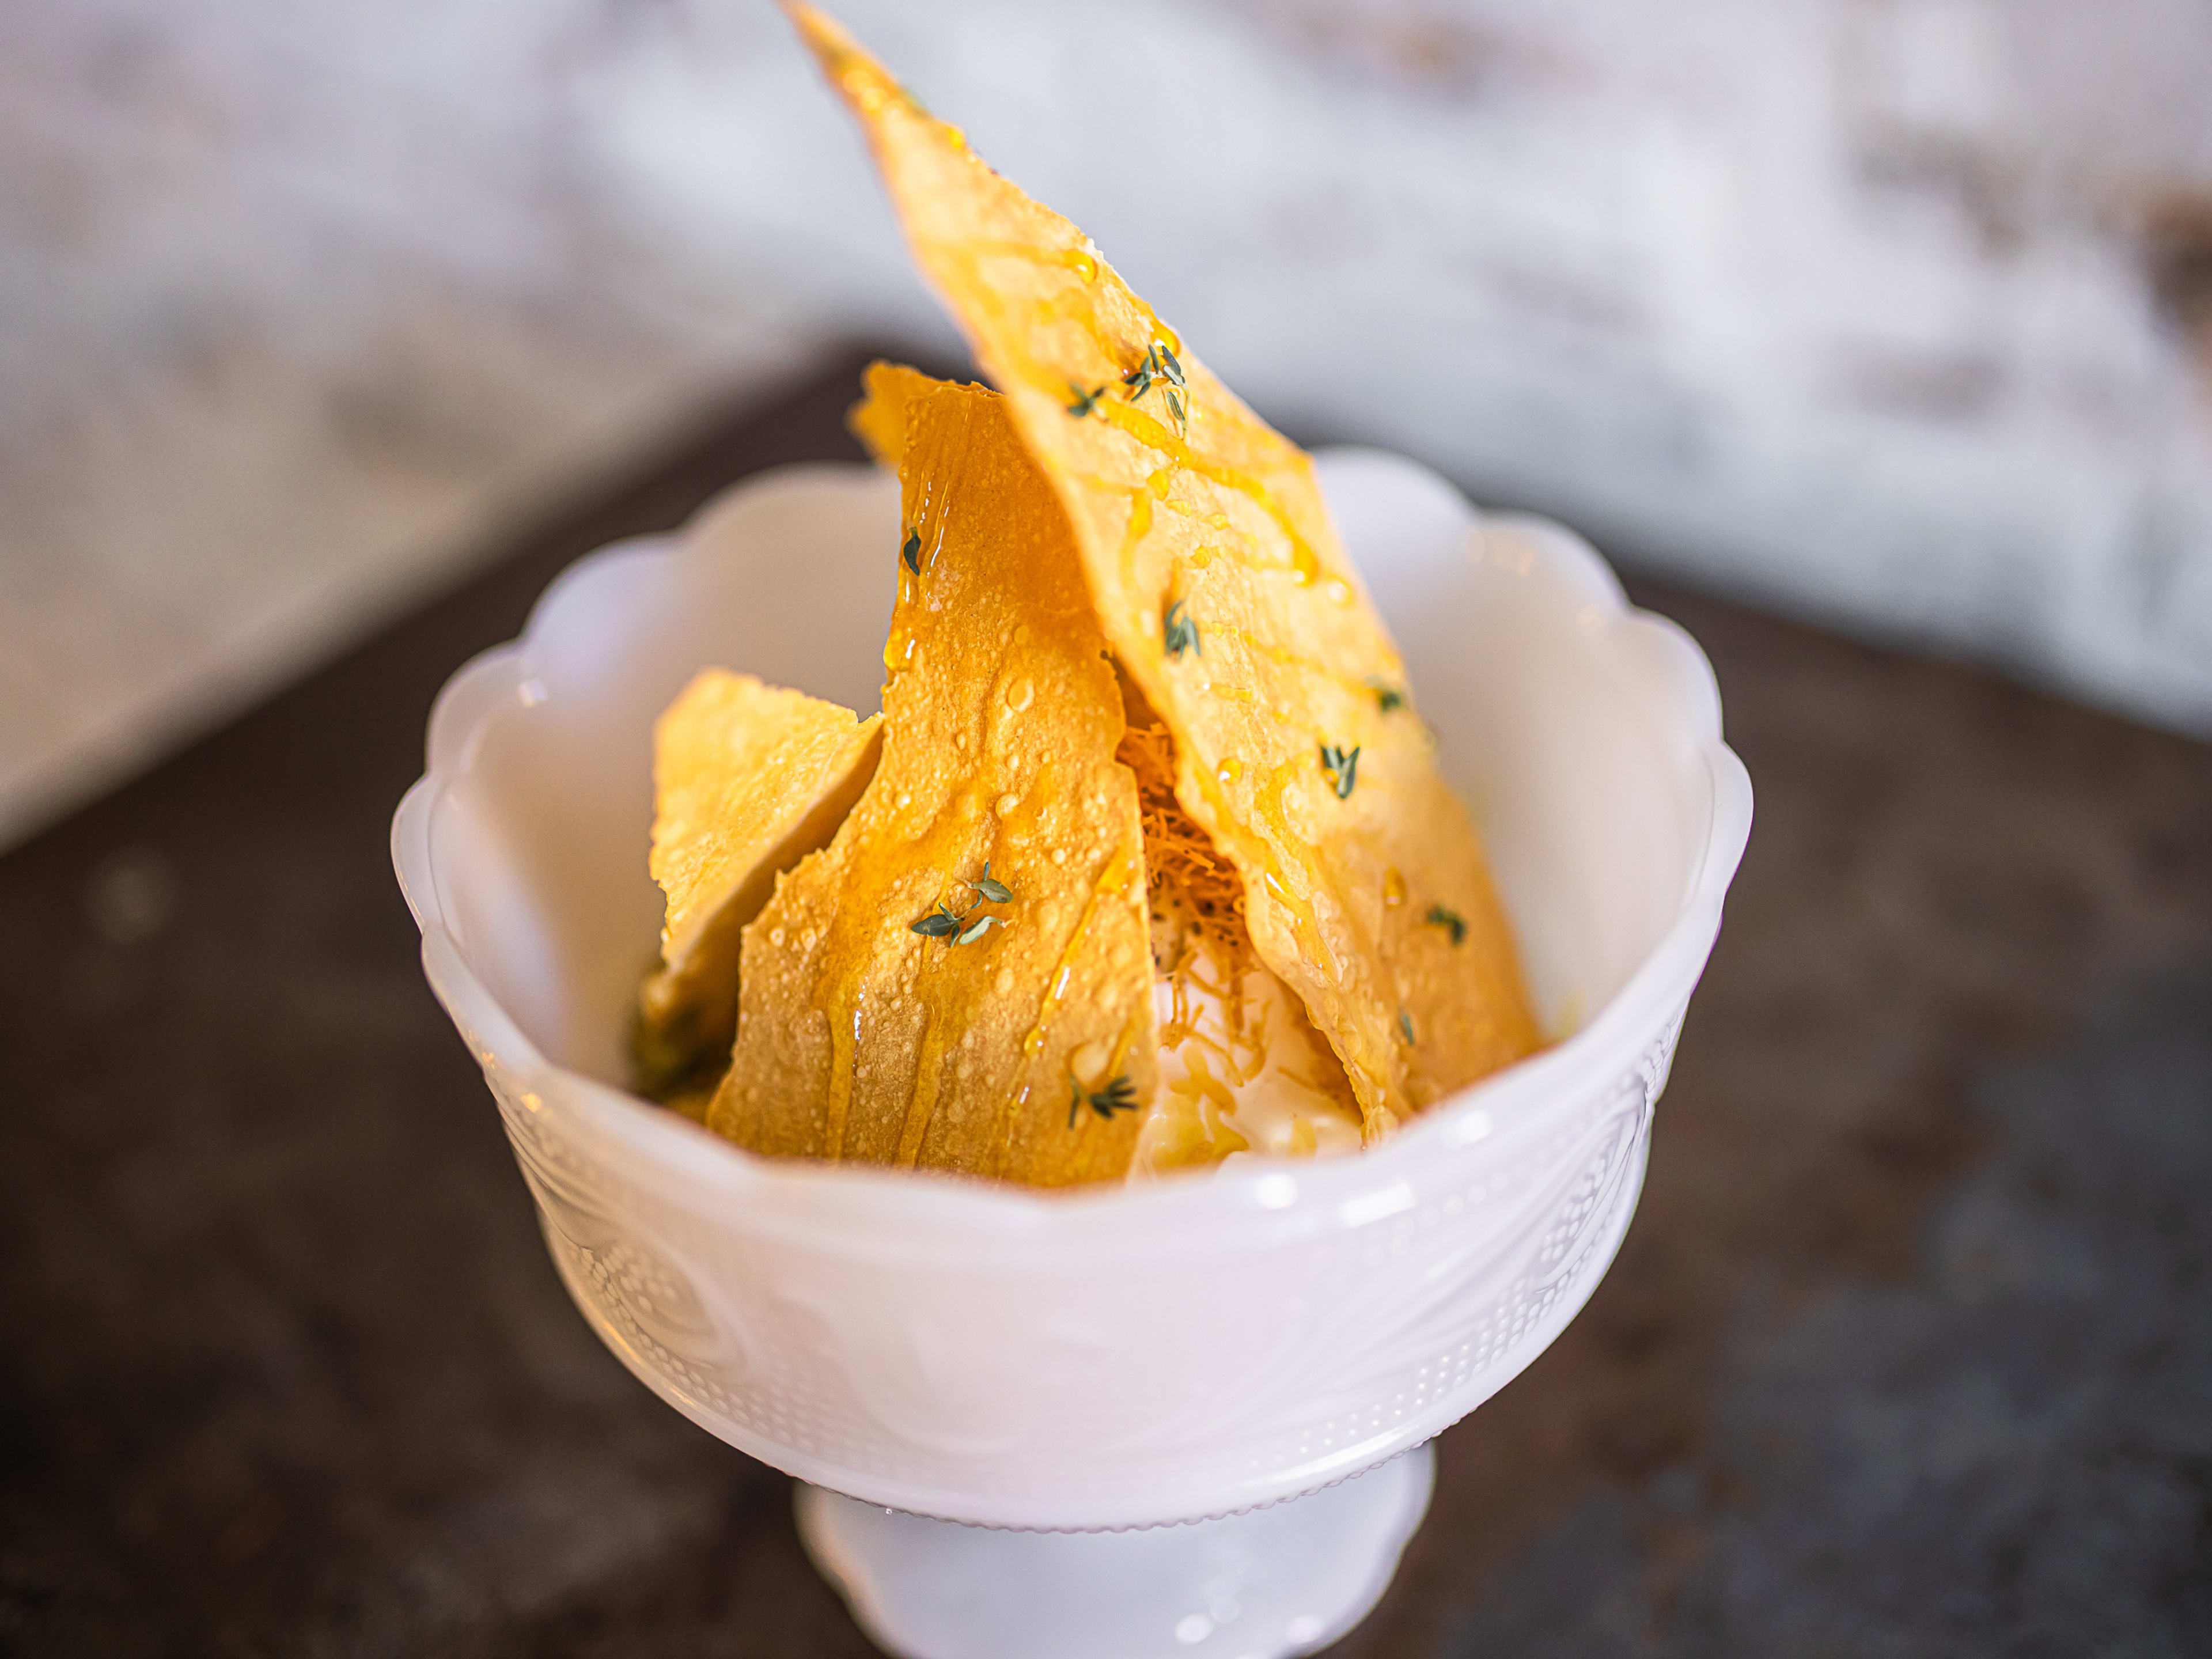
(1909,1351)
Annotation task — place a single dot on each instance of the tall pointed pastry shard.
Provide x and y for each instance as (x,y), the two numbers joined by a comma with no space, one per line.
(1222,590)
(961,979)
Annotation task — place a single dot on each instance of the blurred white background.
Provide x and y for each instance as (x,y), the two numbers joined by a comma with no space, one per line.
(1893,313)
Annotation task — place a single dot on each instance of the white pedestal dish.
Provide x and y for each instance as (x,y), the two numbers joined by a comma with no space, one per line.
(1182,1352)
(1290,1578)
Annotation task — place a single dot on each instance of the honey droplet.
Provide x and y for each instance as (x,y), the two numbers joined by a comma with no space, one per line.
(1230,770)
(1337,592)
(1393,888)
(1200,557)
(1007,803)
(1020,694)
(1083,265)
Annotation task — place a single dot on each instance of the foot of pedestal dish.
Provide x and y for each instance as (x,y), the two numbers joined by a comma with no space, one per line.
(1278,1581)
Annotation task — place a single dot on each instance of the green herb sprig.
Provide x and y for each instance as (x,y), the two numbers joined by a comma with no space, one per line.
(1388,697)
(952,926)
(1084,403)
(1450,920)
(1161,366)
(1405,1027)
(912,551)
(1119,1096)
(1179,632)
(1342,766)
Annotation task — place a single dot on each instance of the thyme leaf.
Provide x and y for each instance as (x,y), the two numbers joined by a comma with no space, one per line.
(1388,697)
(1450,920)
(912,551)
(1406,1026)
(1161,366)
(1179,632)
(1085,403)
(953,925)
(1342,766)
(1119,1096)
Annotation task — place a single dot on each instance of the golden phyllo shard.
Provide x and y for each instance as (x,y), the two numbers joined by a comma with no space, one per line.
(1220,586)
(748,778)
(879,420)
(962,978)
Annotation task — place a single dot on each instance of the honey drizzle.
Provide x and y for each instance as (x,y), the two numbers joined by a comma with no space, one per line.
(1071,307)
(1283,656)
(845,954)
(1268,798)
(1305,565)
(1112,882)
(844,1013)
(1212,518)
(1125,1042)
(1149,432)
(921,1103)
(1250,699)
(1081,260)
(1139,526)
(1058,311)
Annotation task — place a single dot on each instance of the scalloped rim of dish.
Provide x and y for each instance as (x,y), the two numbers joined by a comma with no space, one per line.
(1324,1195)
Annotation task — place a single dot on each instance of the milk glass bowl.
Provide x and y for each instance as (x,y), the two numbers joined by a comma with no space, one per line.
(1091,1363)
